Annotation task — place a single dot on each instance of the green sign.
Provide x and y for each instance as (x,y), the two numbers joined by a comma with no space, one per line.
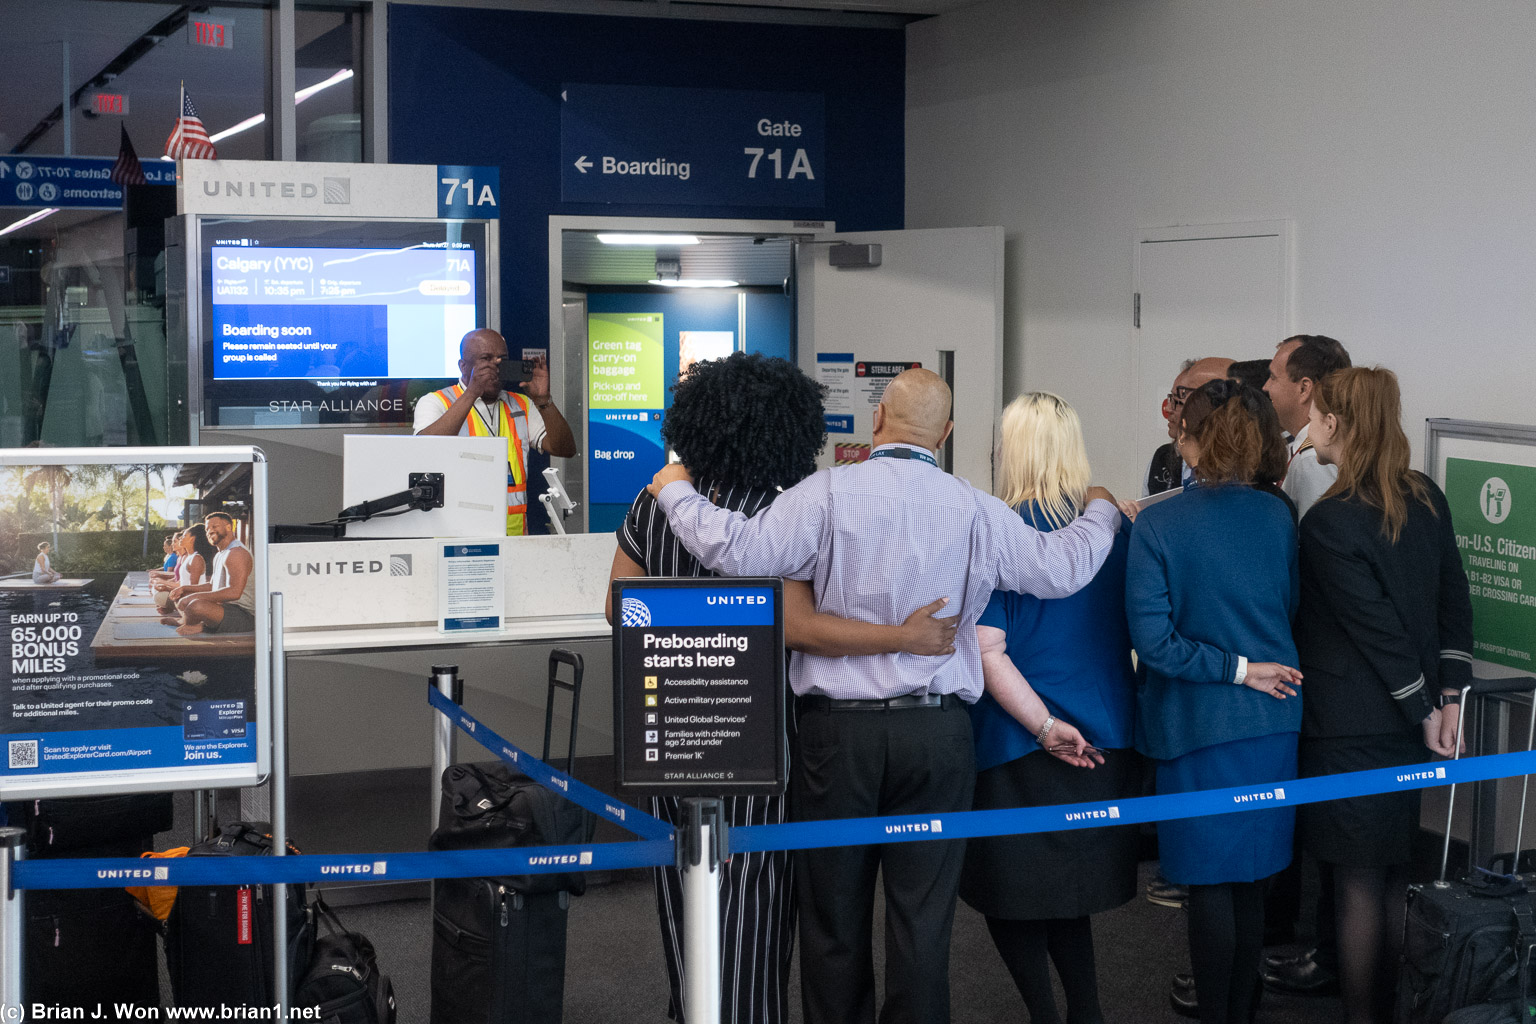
(624,360)
(1493,506)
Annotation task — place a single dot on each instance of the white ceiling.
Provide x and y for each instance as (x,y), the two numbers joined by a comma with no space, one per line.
(742,258)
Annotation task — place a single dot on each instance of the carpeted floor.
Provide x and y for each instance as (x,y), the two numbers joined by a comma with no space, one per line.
(614,970)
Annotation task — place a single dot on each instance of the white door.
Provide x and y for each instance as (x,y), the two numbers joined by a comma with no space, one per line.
(935,299)
(1204,291)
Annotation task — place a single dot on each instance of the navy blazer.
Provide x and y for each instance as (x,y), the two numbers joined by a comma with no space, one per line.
(1212,575)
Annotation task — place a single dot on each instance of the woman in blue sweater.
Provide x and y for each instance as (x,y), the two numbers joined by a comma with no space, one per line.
(1058,677)
(1211,586)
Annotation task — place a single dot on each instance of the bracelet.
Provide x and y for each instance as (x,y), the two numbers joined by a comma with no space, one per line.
(1050,723)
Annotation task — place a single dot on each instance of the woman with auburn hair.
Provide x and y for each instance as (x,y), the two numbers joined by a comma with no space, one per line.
(1385,629)
(1210,590)
(1058,677)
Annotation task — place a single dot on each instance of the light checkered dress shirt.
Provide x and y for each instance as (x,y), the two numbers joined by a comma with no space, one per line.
(881,539)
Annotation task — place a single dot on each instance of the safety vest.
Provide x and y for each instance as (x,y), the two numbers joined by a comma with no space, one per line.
(511,424)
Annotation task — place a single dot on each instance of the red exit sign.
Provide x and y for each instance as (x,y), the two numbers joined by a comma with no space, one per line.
(220,34)
(109,103)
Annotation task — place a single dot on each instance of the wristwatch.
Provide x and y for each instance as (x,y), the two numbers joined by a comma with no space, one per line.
(1447,699)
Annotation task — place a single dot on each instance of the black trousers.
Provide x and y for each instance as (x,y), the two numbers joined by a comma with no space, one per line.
(854,764)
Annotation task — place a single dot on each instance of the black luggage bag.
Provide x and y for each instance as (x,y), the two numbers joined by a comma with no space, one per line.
(219,941)
(344,984)
(1467,945)
(498,944)
(91,947)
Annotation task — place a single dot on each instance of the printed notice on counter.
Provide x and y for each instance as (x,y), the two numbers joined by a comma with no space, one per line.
(471,590)
(700,688)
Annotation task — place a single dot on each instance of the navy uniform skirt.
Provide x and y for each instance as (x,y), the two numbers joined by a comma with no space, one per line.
(1065,874)
(1241,847)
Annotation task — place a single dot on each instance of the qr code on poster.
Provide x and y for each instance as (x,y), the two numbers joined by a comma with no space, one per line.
(23,753)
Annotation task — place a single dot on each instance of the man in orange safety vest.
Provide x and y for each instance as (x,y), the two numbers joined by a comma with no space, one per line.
(478,407)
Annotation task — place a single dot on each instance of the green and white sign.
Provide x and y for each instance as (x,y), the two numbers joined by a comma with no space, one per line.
(625,355)
(1493,505)
(625,379)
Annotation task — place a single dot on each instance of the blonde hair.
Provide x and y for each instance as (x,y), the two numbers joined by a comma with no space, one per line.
(1043,457)
(1374,455)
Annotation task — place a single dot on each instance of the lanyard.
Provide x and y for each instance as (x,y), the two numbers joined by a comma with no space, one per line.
(903,453)
(495,428)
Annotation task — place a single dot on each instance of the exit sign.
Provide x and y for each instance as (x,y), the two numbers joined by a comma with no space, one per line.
(219,34)
(108,103)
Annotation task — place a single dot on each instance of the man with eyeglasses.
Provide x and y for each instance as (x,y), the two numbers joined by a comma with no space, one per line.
(1166,470)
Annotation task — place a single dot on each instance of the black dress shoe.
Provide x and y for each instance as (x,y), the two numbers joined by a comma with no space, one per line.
(1289,956)
(1302,975)
(1166,894)
(1186,1002)
(1182,997)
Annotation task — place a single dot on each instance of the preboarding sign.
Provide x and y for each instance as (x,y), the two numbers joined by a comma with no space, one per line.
(699,689)
(120,674)
(1493,505)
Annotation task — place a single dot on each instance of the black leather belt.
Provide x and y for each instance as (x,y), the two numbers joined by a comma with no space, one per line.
(913,700)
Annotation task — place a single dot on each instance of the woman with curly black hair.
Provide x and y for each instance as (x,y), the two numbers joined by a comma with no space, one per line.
(747,427)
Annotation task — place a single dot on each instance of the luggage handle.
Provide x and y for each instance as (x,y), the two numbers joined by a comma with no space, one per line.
(487,786)
(1488,688)
(557,657)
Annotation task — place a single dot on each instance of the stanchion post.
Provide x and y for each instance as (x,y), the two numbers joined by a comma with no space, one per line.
(12,918)
(279,805)
(444,733)
(701,845)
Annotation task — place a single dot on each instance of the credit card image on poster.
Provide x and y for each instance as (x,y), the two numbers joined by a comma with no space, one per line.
(213,720)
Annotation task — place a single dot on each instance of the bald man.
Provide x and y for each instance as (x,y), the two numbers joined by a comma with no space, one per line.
(1167,470)
(888,733)
(477,407)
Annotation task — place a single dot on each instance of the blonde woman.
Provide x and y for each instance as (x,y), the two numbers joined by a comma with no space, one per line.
(42,566)
(1058,678)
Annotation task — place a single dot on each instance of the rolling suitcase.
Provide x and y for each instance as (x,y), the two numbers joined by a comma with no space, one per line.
(498,944)
(1467,945)
(89,948)
(218,939)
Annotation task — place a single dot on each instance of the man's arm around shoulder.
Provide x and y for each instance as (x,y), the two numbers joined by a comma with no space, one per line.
(1055,564)
(781,540)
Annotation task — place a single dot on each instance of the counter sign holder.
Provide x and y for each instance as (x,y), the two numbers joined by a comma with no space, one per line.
(699,686)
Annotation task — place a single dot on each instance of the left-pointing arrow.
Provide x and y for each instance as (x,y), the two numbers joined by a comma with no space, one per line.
(582,163)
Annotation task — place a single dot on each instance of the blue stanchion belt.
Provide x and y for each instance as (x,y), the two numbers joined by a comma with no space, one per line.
(599,803)
(88,874)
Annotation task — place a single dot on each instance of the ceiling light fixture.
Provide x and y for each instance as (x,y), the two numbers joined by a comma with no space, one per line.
(640,239)
(31,218)
(697,282)
(298,97)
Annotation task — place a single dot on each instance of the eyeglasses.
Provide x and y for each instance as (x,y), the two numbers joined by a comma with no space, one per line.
(1174,400)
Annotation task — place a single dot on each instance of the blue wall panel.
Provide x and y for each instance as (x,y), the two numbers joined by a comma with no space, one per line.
(471,86)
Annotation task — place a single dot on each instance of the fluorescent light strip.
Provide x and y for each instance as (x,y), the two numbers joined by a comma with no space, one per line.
(697,282)
(639,239)
(31,218)
(299,97)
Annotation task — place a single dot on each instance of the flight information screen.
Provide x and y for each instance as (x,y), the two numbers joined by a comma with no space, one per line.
(321,313)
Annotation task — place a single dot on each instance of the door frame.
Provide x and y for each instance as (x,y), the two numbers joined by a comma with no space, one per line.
(559,224)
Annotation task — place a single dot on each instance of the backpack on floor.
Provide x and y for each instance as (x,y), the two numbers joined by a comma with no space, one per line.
(344,982)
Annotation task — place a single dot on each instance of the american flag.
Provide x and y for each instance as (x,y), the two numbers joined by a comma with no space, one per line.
(127,170)
(189,138)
